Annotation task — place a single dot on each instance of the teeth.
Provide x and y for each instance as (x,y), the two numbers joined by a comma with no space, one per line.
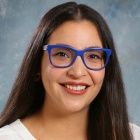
(78,88)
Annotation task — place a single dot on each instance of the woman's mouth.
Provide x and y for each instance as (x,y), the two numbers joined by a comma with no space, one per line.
(75,88)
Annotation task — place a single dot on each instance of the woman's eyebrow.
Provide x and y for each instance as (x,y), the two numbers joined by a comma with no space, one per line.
(62,44)
(94,47)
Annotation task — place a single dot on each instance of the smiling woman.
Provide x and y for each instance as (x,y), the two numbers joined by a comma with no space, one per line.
(70,84)
(69,72)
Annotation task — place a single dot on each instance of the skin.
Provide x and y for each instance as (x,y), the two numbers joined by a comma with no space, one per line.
(63,112)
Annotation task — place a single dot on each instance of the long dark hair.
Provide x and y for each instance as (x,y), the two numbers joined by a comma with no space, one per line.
(108,118)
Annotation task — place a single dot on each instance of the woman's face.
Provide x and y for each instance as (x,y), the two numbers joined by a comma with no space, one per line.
(62,84)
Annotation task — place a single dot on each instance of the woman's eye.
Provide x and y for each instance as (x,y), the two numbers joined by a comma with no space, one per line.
(93,56)
(61,54)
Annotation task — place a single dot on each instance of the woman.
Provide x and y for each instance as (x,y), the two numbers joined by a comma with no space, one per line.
(69,85)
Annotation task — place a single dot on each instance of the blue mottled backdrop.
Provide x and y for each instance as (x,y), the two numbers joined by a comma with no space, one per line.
(19,18)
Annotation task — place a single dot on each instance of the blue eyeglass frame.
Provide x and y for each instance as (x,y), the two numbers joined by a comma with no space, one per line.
(77,53)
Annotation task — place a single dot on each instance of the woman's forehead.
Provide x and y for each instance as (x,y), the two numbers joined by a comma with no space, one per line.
(73,33)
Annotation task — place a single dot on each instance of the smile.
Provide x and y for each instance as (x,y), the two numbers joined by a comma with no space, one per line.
(74,87)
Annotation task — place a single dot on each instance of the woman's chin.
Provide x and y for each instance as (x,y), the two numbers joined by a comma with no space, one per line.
(73,107)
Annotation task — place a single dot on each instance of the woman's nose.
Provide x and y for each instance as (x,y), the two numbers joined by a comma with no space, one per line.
(78,69)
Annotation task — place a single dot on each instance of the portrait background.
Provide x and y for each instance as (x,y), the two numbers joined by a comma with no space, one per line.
(19,18)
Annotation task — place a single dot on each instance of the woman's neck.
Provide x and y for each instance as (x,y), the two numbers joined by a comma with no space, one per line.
(49,124)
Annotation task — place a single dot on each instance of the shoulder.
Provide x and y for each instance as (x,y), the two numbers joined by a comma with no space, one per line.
(15,131)
(135,131)
(8,133)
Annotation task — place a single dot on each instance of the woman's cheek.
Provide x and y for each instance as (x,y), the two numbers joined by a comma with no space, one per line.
(97,76)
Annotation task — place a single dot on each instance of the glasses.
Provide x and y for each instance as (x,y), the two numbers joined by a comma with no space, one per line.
(62,56)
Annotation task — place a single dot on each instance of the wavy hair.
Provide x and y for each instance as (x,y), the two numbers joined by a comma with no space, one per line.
(108,117)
